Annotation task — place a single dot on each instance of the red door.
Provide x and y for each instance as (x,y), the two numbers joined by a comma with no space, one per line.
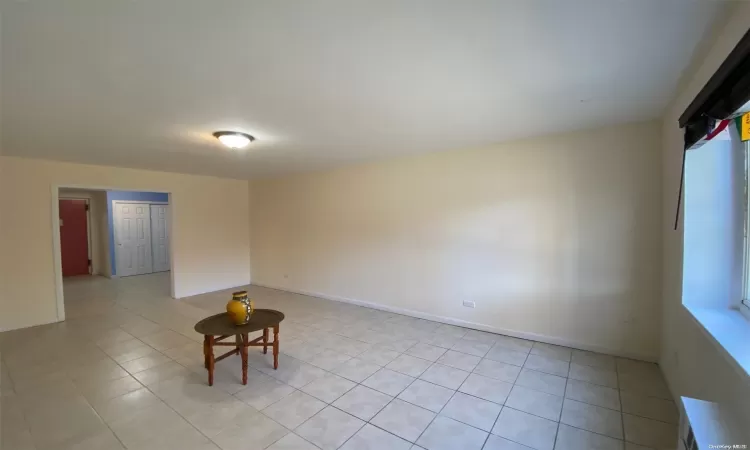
(74,239)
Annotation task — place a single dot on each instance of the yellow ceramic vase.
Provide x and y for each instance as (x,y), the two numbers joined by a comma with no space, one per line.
(240,308)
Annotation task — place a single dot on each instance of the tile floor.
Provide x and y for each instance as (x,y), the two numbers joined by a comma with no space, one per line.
(125,371)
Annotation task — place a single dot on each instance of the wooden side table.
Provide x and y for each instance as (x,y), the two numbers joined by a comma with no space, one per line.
(219,327)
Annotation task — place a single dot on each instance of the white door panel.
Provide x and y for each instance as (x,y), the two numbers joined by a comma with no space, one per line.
(132,239)
(160,237)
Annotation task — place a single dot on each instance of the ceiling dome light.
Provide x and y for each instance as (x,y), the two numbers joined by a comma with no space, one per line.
(234,139)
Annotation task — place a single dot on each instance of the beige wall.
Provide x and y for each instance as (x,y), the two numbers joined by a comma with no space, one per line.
(554,238)
(97,233)
(210,241)
(692,364)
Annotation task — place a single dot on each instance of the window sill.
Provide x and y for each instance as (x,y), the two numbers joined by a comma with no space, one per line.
(729,330)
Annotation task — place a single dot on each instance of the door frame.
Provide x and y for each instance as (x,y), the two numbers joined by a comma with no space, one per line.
(90,250)
(116,217)
(55,230)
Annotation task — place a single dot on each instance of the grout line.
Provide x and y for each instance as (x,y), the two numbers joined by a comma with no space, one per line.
(619,399)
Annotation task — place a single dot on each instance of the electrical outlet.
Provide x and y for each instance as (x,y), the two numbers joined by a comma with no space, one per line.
(469,304)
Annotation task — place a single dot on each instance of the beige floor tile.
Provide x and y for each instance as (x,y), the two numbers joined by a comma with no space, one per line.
(535,402)
(262,390)
(547,365)
(472,410)
(62,422)
(292,442)
(103,439)
(403,419)
(149,424)
(519,345)
(293,410)
(499,443)
(362,402)
(409,365)
(497,370)
(329,359)
(459,360)
(569,438)
(146,362)
(593,359)
(445,376)
(356,370)
(328,388)
(293,372)
(593,394)
(506,355)
(526,429)
(255,434)
(373,438)
(185,440)
(486,388)
(125,406)
(330,428)
(165,339)
(17,439)
(105,390)
(440,340)
(129,350)
(426,351)
(540,381)
(648,384)
(427,395)
(470,347)
(102,370)
(631,446)
(379,355)
(552,351)
(160,373)
(388,381)
(217,417)
(649,407)
(593,375)
(648,432)
(447,434)
(592,418)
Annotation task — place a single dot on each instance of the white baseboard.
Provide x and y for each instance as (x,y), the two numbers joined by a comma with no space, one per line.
(473,325)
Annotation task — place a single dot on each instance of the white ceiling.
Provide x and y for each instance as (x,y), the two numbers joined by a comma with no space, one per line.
(327,82)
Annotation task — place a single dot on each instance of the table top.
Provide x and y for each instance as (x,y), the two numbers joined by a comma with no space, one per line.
(221,324)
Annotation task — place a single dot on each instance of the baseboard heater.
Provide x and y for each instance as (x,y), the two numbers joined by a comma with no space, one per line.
(707,425)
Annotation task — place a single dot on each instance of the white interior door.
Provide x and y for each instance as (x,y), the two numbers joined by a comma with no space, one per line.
(160,237)
(133,239)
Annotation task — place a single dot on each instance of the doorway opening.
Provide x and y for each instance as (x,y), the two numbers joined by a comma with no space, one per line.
(106,240)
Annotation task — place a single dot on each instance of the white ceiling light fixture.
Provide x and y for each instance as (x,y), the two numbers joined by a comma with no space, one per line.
(234,139)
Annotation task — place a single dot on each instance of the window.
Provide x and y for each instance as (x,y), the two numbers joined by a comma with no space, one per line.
(745,301)
(716,239)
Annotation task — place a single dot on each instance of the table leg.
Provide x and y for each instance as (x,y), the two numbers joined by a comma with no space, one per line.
(245,340)
(238,343)
(211,361)
(205,352)
(276,347)
(265,341)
